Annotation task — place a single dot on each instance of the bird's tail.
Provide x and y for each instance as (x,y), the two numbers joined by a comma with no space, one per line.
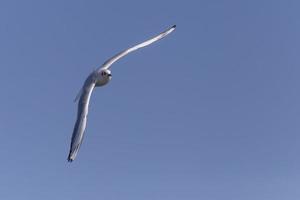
(78,95)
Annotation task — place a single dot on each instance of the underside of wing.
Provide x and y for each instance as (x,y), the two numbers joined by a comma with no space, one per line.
(113,59)
(80,125)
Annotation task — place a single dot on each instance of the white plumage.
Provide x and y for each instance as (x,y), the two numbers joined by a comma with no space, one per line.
(98,78)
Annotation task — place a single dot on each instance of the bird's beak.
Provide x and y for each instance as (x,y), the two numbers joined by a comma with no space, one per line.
(109,75)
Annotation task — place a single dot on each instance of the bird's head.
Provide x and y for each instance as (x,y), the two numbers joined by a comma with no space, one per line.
(106,74)
(103,77)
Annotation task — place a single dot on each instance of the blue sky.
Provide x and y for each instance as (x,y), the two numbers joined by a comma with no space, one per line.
(210,112)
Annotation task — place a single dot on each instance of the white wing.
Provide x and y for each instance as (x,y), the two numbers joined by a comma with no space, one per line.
(110,61)
(83,106)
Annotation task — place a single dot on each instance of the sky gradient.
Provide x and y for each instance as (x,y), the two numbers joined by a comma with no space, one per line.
(210,112)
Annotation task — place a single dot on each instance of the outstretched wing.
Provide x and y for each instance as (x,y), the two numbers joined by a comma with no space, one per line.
(110,61)
(80,125)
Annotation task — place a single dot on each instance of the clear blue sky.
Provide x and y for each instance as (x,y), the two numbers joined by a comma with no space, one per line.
(210,112)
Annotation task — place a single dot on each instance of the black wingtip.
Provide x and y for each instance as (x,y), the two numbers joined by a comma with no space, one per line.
(69,158)
(174,26)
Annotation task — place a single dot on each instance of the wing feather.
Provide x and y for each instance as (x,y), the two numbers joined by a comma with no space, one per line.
(80,125)
(113,59)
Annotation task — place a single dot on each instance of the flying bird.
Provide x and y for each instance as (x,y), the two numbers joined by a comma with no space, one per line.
(98,78)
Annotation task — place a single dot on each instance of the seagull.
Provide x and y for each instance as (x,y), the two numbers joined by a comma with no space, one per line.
(98,78)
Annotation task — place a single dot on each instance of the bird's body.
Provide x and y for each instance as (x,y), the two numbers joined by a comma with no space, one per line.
(98,78)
